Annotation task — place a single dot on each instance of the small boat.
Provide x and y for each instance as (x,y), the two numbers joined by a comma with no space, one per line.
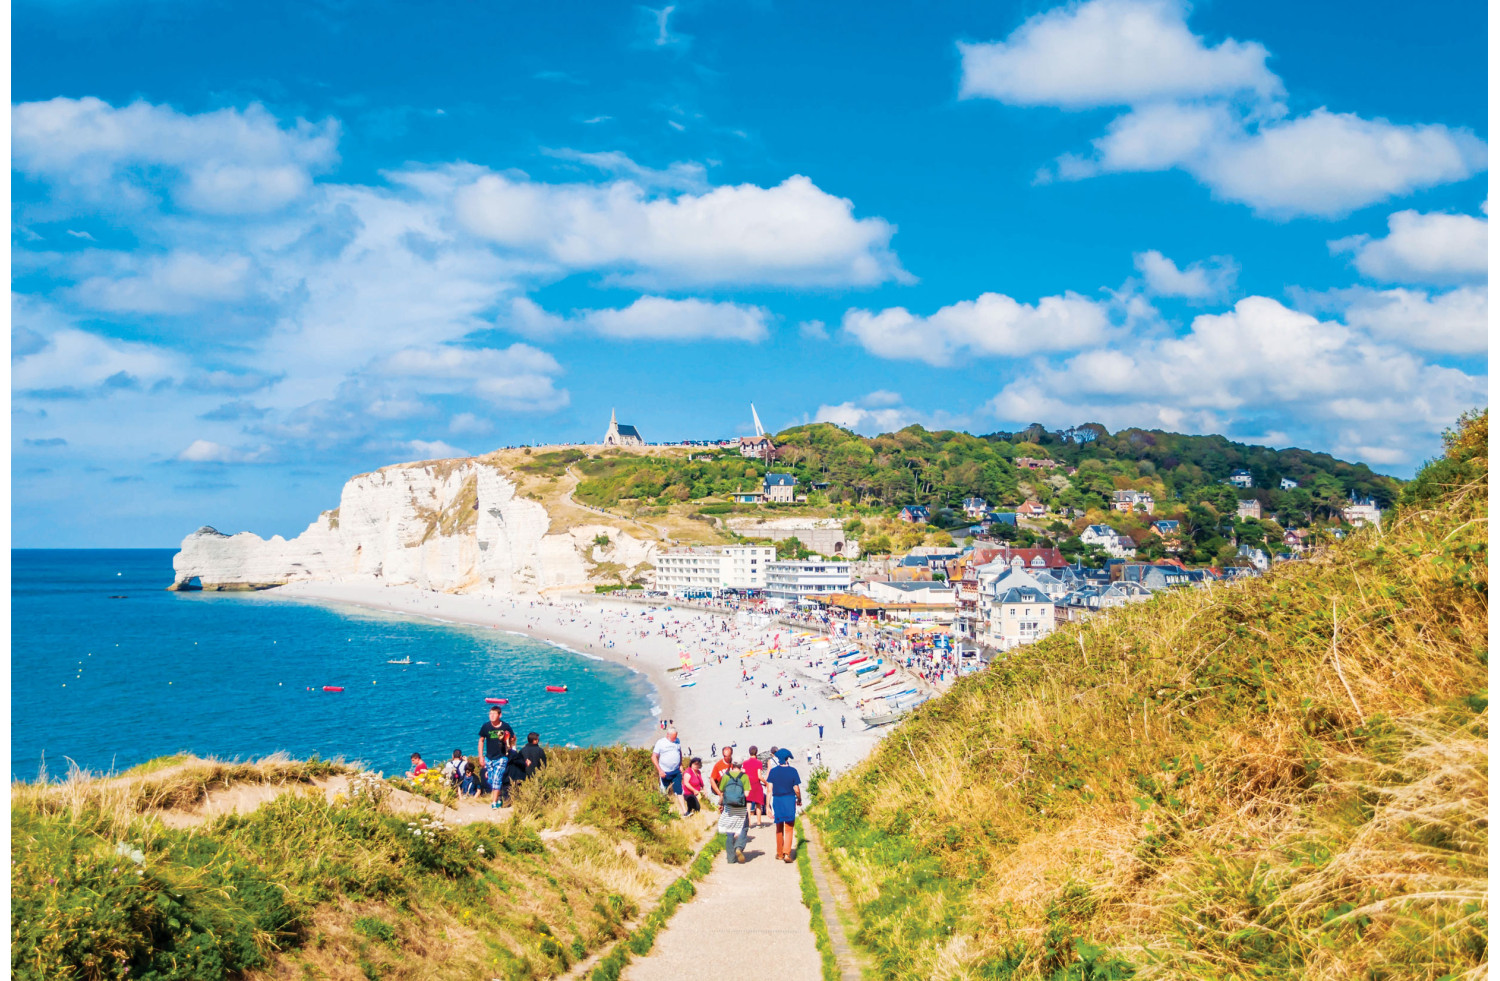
(557,687)
(404,660)
(333,687)
(498,701)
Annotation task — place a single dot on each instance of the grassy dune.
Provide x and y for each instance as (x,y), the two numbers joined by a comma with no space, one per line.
(1280,778)
(305,886)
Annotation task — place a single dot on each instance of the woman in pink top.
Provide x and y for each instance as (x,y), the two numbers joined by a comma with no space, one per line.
(754,769)
(692,785)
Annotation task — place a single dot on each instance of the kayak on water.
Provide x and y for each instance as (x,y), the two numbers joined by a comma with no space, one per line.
(333,688)
(557,687)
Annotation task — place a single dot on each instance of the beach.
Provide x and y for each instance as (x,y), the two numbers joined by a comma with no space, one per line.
(726,688)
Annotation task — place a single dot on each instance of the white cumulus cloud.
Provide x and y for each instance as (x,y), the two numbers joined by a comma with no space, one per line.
(175,283)
(793,234)
(230,161)
(207,451)
(519,377)
(1423,248)
(651,318)
(994,325)
(1112,52)
(1205,280)
(1214,112)
(882,412)
(1452,322)
(1260,361)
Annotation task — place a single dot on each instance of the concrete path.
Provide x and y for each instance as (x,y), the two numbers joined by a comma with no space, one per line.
(752,912)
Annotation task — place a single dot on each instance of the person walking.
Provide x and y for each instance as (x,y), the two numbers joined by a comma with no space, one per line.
(786,797)
(755,773)
(726,756)
(692,785)
(667,757)
(734,816)
(496,737)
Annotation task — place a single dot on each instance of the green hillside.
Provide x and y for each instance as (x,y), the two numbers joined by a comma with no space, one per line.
(858,476)
(1285,777)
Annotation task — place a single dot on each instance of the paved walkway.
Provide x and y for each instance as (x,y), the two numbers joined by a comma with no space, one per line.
(751,913)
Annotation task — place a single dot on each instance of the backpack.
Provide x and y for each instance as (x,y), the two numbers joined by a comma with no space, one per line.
(734,791)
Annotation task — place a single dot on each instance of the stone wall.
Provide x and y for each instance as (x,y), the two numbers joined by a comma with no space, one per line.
(822,535)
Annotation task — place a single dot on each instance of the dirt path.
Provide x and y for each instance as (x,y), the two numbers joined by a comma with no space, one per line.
(568,499)
(747,923)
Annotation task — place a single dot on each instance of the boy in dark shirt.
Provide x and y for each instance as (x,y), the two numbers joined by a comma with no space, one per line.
(496,740)
(533,753)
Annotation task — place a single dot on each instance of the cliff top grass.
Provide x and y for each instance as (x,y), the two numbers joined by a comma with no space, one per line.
(1281,777)
(317,885)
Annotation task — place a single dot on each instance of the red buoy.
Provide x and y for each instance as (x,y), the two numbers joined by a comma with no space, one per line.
(333,688)
(557,687)
(498,701)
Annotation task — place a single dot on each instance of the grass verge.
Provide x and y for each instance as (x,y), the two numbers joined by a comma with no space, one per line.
(814,904)
(1281,777)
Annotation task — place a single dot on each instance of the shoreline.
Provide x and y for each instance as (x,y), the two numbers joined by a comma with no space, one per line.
(730,698)
(412,602)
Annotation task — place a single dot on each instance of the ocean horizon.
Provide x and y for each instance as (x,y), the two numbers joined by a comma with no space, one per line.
(109,669)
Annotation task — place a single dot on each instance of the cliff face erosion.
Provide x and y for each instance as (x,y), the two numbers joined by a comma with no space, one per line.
(452,525)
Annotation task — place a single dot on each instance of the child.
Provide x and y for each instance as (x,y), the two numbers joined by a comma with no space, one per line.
(692,785)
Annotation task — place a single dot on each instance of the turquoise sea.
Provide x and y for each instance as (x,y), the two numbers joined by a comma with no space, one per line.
(108,669)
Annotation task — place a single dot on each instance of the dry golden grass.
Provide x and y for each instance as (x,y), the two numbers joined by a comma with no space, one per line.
(1284,776)
(315,884)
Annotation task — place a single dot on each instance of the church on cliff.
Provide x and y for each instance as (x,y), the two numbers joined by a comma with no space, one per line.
(618,435)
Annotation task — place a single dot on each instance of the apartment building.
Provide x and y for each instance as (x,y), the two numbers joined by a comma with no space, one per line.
(711,570)
(794,583)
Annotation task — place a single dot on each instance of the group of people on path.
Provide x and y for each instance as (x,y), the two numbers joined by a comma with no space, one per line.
(742,789)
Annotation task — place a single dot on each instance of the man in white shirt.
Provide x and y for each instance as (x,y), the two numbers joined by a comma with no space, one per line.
(667,755)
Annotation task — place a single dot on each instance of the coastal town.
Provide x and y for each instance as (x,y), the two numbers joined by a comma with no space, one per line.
(941,589)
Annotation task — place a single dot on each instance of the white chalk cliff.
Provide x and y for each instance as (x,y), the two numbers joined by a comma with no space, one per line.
(450,525)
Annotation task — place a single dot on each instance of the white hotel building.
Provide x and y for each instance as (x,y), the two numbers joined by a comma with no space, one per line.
(791,584)
(711,570)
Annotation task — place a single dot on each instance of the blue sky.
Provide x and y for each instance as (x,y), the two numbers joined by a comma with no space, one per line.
(259,248)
